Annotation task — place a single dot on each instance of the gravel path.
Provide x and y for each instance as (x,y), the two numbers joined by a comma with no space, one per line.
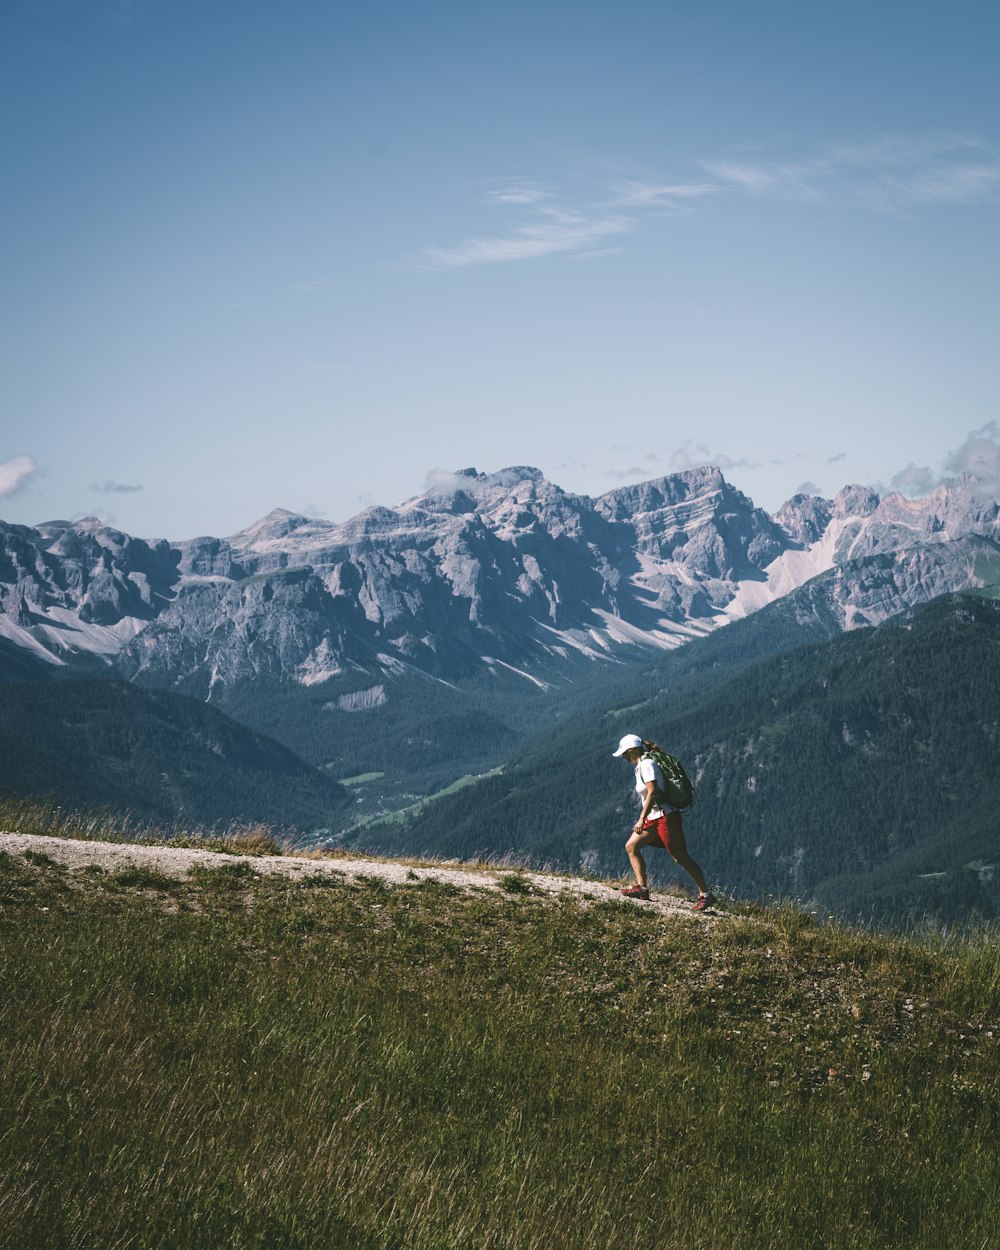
(178,861)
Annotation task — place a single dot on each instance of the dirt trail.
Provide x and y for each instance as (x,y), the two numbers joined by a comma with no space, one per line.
(178,861)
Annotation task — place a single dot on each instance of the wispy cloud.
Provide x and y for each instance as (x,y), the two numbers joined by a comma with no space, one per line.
(897,150)
(915,480)
(662,195)
(15,473)
(889,172)
(596,253)
(978,457)
(554,228)
(519,193)
(444,482)
(95,514)
(552,231)
(692,455)
(841,455)
(944,185)
(789,180)
(115,488)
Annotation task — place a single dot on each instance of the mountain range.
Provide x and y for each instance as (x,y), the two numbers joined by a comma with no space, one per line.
(409,647)
(491,570)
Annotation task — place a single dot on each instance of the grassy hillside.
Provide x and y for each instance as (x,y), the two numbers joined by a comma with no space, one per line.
(233,1061)
(859,771)
(163,757)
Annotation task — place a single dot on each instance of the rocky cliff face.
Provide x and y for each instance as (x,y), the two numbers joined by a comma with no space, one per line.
(69,587)
(696,538)
(483,569)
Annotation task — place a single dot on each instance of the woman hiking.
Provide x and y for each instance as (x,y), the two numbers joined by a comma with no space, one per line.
(658,825)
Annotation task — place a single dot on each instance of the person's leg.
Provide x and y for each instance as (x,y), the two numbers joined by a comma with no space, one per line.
(633,848)
(677,848)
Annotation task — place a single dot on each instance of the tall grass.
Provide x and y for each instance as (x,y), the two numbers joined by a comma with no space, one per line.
(49,819)
(239,1061)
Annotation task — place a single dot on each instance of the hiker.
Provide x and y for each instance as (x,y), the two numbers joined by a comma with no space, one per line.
(658,825)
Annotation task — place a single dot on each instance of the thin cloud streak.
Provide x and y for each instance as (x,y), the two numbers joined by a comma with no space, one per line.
(596,254)
(944,186)
(557,232)
(888,173)
(519,195)
(885,173)
(662,195)
(115,488)
(896,150)
(786,180)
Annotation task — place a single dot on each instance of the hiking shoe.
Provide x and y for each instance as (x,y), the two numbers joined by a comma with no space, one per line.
(701,902)
(636,891)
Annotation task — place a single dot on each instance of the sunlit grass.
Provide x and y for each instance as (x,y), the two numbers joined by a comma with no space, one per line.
(235,1060)
(41,818)
(38,818)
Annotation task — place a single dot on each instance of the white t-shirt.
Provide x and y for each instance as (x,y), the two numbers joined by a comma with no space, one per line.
(648,770)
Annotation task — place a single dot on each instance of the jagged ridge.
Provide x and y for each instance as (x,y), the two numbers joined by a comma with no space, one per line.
(477,570)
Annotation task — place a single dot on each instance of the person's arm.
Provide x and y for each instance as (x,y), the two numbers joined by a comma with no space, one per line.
(647,803)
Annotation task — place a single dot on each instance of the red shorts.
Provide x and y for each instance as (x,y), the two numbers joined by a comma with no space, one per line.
(670,830)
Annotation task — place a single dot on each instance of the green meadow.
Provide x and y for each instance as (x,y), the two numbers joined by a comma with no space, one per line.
(232,1060)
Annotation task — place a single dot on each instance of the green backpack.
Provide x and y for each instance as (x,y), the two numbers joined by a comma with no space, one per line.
(678,792)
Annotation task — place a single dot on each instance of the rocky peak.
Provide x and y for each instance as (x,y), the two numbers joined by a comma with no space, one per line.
(444,484)
(509,502)
(625,502)
(855,501)
(278,523)
(698,519)
(804,517)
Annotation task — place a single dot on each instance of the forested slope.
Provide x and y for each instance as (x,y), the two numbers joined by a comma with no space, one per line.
(858,772)
(164,757)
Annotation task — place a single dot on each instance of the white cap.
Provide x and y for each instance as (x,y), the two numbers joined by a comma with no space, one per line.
(628,743)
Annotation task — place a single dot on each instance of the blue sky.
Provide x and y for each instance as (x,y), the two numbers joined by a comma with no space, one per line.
(301,254)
